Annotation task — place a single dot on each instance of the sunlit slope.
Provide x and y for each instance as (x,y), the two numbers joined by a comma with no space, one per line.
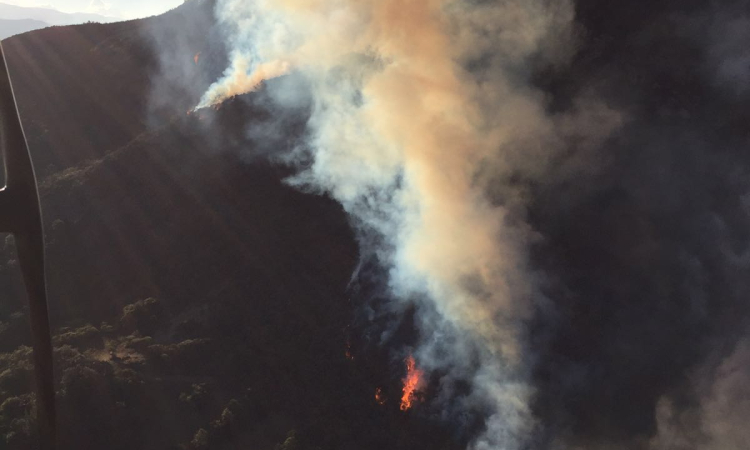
(136,208)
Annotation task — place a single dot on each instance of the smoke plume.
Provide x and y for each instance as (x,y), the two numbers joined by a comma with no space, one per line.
(422,115)
(559,189)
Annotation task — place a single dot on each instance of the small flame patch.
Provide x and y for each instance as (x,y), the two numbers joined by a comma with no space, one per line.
(379,397)
(412,383)
(348,353)
(197,57)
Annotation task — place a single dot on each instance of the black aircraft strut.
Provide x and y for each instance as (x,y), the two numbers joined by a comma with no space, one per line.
(20,214)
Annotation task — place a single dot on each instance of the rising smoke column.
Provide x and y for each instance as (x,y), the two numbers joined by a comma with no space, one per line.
(422,114)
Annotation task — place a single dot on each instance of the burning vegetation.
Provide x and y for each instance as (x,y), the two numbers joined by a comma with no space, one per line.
(413,382)
(379,396)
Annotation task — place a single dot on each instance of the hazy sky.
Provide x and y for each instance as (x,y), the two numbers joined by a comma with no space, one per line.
(126,9)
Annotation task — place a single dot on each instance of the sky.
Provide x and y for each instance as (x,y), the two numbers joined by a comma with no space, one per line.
(123,9)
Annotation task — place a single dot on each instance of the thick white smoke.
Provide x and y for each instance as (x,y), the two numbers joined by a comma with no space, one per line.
(422,113)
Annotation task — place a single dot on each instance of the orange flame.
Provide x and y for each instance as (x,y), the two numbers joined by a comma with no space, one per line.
(379,397)
(197,57)
(412,383)
(348,352)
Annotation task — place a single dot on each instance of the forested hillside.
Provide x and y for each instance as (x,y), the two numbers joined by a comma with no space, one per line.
(197,301)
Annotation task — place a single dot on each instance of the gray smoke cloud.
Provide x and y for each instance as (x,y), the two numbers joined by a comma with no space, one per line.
(559,189)
(718,420)
(188,47)
(645,257)
(422,113)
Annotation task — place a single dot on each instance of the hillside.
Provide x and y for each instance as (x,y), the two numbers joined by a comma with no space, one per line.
(555,193)
(198,302)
